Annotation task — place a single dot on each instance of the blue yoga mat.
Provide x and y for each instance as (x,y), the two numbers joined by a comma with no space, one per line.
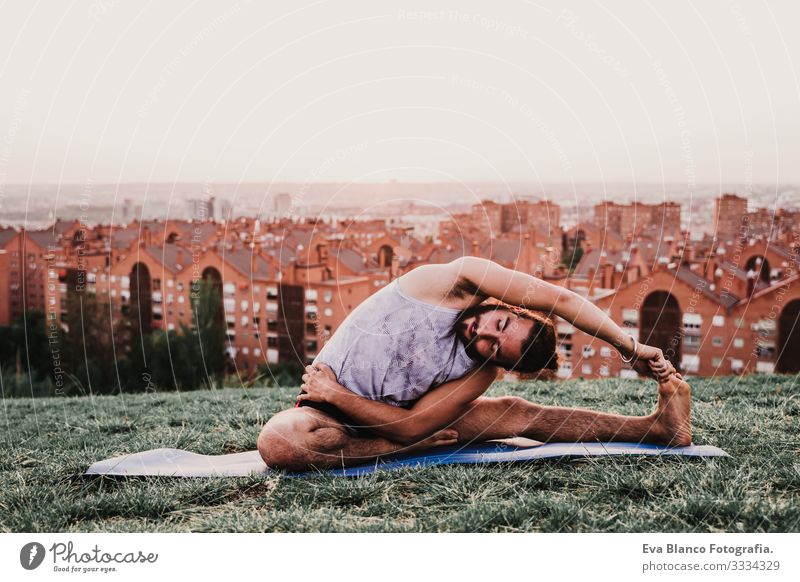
(180,463)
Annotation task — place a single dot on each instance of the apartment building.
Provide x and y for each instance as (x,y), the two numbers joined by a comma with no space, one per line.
(628,220)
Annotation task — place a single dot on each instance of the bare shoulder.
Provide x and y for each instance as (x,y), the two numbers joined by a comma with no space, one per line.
(446,285)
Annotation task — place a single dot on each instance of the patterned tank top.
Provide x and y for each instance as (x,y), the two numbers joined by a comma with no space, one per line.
(395,348)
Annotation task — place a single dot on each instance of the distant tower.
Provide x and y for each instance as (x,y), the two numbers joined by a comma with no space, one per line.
(210,216)
(227,210)
(729,217)
(282,203)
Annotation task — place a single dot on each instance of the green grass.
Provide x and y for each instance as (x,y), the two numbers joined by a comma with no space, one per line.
(48,443)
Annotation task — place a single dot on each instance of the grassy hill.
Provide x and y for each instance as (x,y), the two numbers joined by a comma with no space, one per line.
(48,443)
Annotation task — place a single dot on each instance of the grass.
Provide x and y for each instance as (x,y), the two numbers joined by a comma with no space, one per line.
(48,443)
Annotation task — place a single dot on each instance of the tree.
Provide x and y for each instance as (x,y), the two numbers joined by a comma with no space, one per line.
(88,344)
(571,257)
(208,328)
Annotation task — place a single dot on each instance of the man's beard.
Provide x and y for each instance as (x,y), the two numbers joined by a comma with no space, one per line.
(461,332)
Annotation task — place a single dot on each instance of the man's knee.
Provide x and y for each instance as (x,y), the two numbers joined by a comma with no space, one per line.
(281,441)
(507,403)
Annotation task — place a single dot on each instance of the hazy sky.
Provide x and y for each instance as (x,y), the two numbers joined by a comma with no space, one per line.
(108,91)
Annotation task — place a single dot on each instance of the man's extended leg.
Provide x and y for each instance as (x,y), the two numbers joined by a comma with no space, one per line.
(302,438)
(494,418)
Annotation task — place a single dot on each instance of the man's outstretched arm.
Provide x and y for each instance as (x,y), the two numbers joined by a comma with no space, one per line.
(434,411)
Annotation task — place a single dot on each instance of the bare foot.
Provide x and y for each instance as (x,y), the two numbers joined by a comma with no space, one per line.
(673,424)
(444,437)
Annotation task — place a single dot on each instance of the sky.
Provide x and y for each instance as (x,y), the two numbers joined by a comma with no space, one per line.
(110,91)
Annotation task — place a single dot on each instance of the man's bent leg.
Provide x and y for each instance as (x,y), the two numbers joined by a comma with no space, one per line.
(299,439)
(493,418)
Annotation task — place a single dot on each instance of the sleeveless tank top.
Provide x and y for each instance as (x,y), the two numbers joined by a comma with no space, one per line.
(395,348)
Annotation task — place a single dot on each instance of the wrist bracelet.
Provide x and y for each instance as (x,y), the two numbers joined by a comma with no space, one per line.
(633,352)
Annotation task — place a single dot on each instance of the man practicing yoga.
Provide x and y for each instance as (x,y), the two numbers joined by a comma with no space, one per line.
(408,367)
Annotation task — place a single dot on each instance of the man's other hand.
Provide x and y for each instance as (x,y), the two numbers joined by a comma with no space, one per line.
(320,385)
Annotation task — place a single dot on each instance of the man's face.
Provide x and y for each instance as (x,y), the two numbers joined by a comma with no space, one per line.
(497,335)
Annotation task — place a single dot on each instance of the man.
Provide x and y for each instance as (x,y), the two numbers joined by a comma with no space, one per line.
(408,367)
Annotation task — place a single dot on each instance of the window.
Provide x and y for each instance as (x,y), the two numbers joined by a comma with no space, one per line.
(244,304)
(311,294)
(716,341)
(180,299)
(605,351)
(180,286)
(765,327)
(690,363)
(765,349)
(272,341)
(765,367)
(272,292)
(245,350)
(327,296)
(587,352)
(738,342)
(716,362)
(718,321)
(124,281)
(230,305)
(604,371)
(257,352)
(272,307)
(328,312)
(691,341)
(272,324)
(272,356)
(170,283)
(157,284)
(243,321)
(311,328)
(630,318)
(229,289)
(586,369)
(692,323)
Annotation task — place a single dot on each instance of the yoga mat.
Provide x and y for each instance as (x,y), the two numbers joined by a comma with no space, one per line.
(180,463)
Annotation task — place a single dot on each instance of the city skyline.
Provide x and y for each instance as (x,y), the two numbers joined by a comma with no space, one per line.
(723,302)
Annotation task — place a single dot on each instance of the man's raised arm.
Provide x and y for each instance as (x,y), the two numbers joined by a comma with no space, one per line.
(434,411)
(518,288)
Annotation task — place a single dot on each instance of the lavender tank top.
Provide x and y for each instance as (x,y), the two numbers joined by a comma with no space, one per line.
(395,348)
